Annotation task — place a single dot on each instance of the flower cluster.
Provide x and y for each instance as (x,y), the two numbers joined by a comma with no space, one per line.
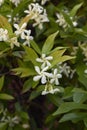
(23,33)
(65,69)
(38,14)
(62,22)
(48,78)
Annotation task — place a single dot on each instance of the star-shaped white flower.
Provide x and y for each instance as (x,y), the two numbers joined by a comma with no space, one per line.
(49,89)
(26,36)
(55,77)
(44,60)
(42,74)
(13,41)
(38,14)
(20,30)
(3,34)
(65,69)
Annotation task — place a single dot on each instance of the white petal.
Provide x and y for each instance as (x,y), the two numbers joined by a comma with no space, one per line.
(44,69)
(36,78)
(16,26)
(37,69)
(56,81)
(43,79)
(49,58)
(44,92)
(39,60)
(59,75)
(55,71)
(52,80)
(24,25)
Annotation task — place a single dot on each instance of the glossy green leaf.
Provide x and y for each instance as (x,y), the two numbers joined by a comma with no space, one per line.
(75,9)
(58,58)
(73,116)
(48,45)
(68,106)
(5,96)
(5,24)
(1,82)
(24,72)
(30,55)
(79,97)
(3,126)
(29,84)
(35,46)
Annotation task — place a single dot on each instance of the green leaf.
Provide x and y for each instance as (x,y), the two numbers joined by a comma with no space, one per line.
(30,55)
(35,46)
(24,72)
(48,45)
(3,126)
(80,71)
(79,97)
(57,57)
(75,9)
(34,94)
(1,82)
(85,121)
(5,96)
(5,24)
(68,106)
(24,115)
(29,84)
(73,116)
(68,92)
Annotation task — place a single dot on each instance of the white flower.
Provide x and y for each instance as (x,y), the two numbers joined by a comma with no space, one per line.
(1,2)
(3,34)
(44,60)
(13,41)
(34,9)
(15,2)
(55,77)
(20,30)
(26,36)
(61,21)
(42,74)
(49,89)
(41,19)
(65,69)
(38,14)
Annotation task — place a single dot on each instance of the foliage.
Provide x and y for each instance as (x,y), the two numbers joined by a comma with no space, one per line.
(43,65)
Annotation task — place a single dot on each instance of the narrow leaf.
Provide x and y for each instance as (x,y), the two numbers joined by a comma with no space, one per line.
(68,106)
(1,82)
(73,116)
(24,72)
(35,46)
(48,45)
(75,9)
(5,96)
(30,55)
